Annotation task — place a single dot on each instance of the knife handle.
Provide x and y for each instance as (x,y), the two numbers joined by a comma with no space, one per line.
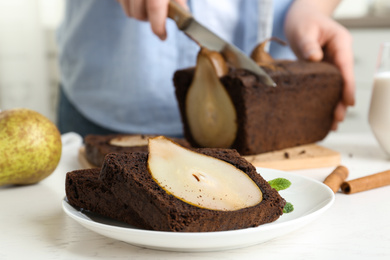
(181,16)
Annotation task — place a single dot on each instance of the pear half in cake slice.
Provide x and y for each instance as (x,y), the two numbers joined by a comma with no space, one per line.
(210,111)
(200,180)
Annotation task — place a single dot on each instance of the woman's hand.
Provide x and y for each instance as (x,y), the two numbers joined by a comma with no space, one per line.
(154,11)
(313,35)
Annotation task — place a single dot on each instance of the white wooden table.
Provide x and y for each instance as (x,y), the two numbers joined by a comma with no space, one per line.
(33,225)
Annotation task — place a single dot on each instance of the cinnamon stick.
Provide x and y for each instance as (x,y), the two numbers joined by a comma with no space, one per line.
(366,183)
(336,178)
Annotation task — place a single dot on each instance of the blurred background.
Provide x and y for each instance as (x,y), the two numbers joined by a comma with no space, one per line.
(28,56)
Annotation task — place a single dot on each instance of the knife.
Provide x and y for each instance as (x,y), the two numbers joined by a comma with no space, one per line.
(204,37)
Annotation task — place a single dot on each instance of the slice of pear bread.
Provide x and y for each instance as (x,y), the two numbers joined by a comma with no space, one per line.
(125,190)
(98,146)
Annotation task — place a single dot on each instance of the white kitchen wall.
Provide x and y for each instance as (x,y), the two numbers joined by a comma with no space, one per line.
(27,51)
(352,8)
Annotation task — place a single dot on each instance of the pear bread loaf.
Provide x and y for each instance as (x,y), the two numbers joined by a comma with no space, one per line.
(125,190)
(98,146)
(299,110)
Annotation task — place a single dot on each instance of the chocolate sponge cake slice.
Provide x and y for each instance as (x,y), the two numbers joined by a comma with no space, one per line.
(97,146)
(128,178)
(299,110)
(84,190)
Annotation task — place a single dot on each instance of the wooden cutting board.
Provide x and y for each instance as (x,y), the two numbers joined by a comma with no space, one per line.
(296,158)
(83,159)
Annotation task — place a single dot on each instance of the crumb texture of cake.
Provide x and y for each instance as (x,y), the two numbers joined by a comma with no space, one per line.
(298,111)
(124,190)
(84,190)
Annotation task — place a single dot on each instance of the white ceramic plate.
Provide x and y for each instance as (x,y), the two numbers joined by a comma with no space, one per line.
(310,198)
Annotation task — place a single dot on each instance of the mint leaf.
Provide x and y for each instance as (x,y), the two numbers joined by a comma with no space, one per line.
(282,184)
(279,184)
(288,208)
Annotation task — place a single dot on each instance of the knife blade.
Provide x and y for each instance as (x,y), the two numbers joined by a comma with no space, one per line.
(204,37)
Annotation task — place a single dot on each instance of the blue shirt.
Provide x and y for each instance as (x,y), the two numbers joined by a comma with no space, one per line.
(118,74)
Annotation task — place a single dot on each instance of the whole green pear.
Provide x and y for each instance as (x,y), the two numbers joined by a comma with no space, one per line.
(30,147)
